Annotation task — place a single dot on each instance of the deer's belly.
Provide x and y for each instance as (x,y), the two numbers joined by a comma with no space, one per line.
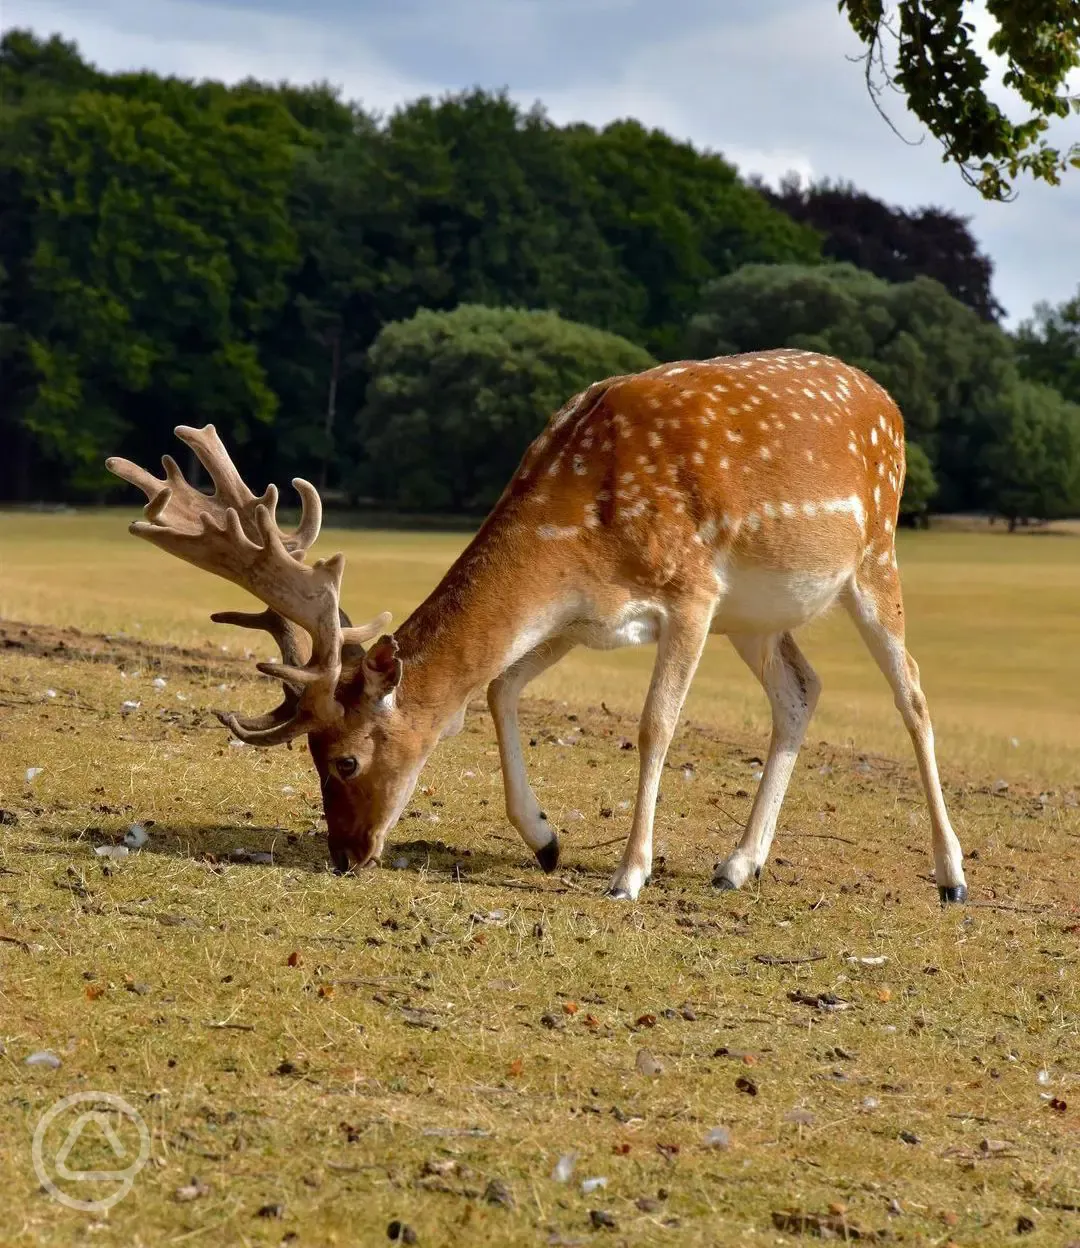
(765,600)
(635,624)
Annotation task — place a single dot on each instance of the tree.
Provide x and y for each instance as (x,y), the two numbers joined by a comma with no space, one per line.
(1048,347)
(152,246)
(1033,467)
(456,397)
(677,219)
(943,77)
(893,243)
(944,366)
(920,486)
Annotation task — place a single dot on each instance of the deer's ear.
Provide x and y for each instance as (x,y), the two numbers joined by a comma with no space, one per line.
(381,669)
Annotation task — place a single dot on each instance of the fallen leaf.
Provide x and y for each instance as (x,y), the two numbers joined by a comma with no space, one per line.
(295,958)
(516,1066)
(570,1007)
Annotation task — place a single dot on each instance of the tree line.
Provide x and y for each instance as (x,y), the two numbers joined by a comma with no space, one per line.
(393,306)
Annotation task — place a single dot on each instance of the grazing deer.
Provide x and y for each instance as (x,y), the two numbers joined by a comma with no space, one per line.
(742,495)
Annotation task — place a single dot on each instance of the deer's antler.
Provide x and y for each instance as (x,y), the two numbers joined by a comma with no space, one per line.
(233,534)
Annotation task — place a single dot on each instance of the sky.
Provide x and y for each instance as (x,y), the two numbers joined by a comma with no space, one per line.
(769,84)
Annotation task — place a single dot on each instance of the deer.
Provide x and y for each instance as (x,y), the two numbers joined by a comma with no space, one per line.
(742,496)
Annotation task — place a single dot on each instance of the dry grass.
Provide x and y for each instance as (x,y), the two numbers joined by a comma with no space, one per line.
(424,1048)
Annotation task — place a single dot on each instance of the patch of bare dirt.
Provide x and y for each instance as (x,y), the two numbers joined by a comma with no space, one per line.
(72,645)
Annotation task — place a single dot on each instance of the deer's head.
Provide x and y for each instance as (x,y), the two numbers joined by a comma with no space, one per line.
(342,696)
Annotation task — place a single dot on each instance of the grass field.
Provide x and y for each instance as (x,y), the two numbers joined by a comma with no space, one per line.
(316,1057)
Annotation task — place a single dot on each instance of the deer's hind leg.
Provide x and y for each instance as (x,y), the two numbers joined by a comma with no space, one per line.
(792,687)
(875,603)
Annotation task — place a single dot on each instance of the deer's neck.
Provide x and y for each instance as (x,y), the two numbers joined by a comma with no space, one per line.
(492,606)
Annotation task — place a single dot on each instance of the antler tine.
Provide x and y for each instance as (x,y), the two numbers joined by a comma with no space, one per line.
(290,639)
(310,517)
(229,485)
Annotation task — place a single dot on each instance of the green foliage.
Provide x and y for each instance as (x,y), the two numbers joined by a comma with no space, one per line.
(945,367)
(455,398)
(1048,347)
(678,219)
(920,485)
(1033,467)
(149,248)
(943,77)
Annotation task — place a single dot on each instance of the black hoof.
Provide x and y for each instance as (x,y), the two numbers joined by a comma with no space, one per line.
(548,857)
(724,884)
(957,894)
(619,894)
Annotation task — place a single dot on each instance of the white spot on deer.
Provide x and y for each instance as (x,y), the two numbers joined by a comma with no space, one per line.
(697,457)
(592,518)
(755,399)
(852,448)
(626,477)
(707,532)
(763,425)
(732,436)
(809,509)
(673,372)
(650,468)
(603,496)
(554,531)
(753,521)
(723,463)
(764,452)
(873,437)
(655,402)
(654,438)
(553,470)
(768,511)
(606,445)
(852,505)
(580,467)
(809,455)
(810,394)
(877,495)
(883,558)
(882,422)
(787,509)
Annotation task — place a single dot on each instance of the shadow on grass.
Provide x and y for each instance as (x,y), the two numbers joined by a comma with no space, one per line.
(254,846)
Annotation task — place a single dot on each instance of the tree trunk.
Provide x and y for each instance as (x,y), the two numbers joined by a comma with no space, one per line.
(331,407)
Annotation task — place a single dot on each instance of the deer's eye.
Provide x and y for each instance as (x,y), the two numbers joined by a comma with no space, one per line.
(346,766)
